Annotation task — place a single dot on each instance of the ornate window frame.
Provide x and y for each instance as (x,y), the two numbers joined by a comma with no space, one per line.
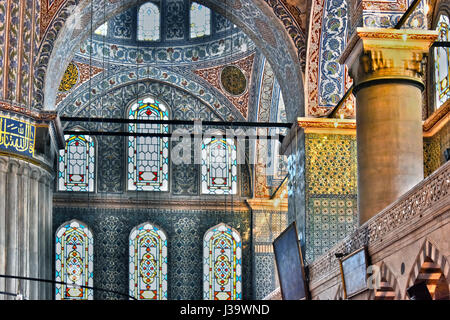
(139,262)
(235,185)
(138,22)
(442,8)
(192,3)
(93,154)
(166,128)
(85,276)
(232,278)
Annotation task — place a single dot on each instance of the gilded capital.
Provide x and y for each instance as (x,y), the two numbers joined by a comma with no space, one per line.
(377,54)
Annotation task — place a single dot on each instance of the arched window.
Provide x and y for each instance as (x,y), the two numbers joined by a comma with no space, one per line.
(222,267)
(200,20)
(219,166)
(148,263)
(148,157)
(442,64)
(149,24)
(76,164)
(74,261)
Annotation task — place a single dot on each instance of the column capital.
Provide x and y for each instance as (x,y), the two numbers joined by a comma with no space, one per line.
(377,54)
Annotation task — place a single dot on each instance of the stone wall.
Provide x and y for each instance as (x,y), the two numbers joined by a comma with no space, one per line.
(401,240)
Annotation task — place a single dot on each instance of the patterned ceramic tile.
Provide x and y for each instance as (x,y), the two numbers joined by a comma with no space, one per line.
(329,219)
(331,164)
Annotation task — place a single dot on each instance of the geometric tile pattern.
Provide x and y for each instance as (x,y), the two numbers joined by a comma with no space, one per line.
(329,219)
(330,164)
(331,191)
(431,154)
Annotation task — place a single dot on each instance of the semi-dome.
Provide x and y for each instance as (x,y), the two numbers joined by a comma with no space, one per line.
(165,32)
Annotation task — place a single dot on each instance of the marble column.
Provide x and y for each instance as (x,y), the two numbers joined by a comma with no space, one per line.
(386,67)
(25,227)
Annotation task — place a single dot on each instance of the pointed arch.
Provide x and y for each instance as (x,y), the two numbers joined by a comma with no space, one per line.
(433,267)
(219,165)
(77,163)
(222,265)
(149,22)
(74,261)
(200,20)
(148,262)
(389,288)
(148,157)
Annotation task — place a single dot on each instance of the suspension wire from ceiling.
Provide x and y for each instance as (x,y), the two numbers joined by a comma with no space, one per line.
(63,283)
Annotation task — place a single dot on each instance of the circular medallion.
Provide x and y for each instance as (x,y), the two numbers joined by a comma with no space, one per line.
(69,79)
(233,80)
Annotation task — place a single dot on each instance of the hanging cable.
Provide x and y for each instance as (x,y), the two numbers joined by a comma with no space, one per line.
(63,283)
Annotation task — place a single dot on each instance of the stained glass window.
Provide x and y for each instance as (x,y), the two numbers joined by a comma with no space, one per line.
(148,157)
(200,20)
(102,30)
(74,261)
(76,164)
(222,267)
(148,263)
(442,64)
(149,24)
(219,166)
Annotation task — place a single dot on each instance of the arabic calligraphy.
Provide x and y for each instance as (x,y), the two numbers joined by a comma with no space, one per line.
(17,135)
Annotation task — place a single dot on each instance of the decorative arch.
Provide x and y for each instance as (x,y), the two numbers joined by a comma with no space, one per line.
(68,28)
(148,157)
(148,263)
(430,266)
(389,288)
(222,264)
(82,96)
(74,261)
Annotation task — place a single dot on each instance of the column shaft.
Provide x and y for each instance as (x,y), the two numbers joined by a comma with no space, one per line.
(389,139)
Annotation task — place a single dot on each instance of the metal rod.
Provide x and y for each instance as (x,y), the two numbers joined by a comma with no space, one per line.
(407,13)
(9,293)
(441,44)
(341,102)
(279,187)
(167,135)
(64,283)
(181,122)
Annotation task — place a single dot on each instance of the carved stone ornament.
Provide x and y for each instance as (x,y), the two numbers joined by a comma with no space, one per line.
(388,54)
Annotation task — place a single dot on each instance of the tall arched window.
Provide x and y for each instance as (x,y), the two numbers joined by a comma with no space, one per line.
(148,263)
(148,157)
(76,164)
(222,266)
(200,20)
(74,261)
(219,166)
(149,24)
(442,64)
